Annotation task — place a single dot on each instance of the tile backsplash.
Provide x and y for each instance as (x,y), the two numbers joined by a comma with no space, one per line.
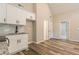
(6,29)
(21,29)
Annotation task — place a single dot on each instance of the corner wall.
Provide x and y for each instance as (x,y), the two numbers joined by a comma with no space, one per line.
(42,13)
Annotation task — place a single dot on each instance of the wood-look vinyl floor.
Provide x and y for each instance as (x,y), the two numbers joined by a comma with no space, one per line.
(27,52)
(53,47)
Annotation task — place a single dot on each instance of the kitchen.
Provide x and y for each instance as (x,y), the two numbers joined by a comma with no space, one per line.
(31,29)
(13,36)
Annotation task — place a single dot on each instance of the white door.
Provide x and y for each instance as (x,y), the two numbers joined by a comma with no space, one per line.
(64,29)
(45,29)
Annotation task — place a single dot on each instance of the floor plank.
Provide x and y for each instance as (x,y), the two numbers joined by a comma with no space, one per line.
(27,52)
(52,47)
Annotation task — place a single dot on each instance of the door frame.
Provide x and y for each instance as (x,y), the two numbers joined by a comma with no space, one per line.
(45,33)
(68,35)
(50,29)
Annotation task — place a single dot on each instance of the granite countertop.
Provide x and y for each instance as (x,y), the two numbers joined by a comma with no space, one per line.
(13,34)
(16,33)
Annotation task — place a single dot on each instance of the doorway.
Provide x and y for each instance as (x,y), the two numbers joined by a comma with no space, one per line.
(64,30)
(45,29)
(50,29)
(31,30)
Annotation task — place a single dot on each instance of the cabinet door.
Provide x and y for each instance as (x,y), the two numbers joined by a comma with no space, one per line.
(33,16)
(11,14)
(17,43)
(30,16)
(23,42)
(2,13)
(21,16)
(12,44)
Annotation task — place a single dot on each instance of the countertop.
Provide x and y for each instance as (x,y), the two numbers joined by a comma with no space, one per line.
(16,33)
(13,34)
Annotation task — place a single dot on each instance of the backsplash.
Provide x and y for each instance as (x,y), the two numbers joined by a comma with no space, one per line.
(6,29)
(21,29)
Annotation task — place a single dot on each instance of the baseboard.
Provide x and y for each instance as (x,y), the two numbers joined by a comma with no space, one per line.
(75,40)
(40,41)
(68,39)
(55,38)
(13,53)
(58,38)
(30,42)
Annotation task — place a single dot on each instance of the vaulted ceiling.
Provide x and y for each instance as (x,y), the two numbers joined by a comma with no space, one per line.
(57,8)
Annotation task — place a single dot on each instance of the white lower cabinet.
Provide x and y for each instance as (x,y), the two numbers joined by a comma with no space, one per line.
(17,43)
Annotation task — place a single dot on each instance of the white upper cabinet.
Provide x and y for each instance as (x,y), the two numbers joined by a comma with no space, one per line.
(2,13)
(11,14)
(16,15)
(33,16)
(21,16)
(30,16)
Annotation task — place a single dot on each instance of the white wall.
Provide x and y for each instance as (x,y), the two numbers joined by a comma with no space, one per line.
(73,18)
(42,13)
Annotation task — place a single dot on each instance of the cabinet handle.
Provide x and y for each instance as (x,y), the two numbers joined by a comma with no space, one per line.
(4,20)
(17,21)
(19,41)
(8,41)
